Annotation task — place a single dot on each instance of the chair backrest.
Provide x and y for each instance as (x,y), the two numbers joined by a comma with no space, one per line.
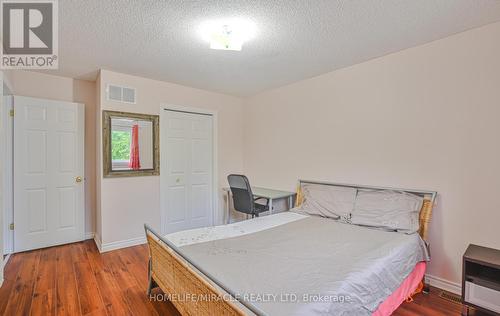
(242,193)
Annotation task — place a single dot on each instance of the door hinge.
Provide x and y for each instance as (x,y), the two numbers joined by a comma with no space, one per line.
(11,112)
(11,226)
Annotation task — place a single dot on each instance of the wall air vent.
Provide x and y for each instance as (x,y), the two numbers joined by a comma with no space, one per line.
(121,94)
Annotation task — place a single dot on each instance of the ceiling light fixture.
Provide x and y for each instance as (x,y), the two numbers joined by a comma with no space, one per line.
(228,34)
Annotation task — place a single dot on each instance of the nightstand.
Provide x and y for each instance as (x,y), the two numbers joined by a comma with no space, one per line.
(481,279)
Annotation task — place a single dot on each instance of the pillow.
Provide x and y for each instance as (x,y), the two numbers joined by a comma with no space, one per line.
(327,200)
(387,209)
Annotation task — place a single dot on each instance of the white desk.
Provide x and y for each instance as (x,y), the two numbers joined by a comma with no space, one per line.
(262,193)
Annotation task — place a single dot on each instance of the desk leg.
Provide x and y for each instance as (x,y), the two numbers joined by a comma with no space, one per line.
(270,206)
(228,207)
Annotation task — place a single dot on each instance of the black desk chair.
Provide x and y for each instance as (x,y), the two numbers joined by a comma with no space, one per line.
(243,199)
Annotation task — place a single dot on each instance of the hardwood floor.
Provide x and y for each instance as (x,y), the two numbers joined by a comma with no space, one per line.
(75,279)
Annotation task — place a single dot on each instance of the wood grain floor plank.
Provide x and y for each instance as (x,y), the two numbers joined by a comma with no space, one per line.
(139,305)
(44,295)
(76,279)
(21,296)
(114,301)
(64,260)
(79,252)
(13,266)
(129,285)
(137,263)
(89,297)
(120,271)
(162,307)
(122,283)
(10,275)
(67,302)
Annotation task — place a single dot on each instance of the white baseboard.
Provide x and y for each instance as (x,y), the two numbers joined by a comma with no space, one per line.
(97,240)
(89,235)
(8,251)
(2,265)
(444,284)
(6,259)
(121,244)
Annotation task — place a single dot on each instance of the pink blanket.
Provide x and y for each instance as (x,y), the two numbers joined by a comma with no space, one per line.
(406,288)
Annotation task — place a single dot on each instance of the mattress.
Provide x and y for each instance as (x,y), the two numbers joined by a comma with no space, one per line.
(293,264)
(199,235)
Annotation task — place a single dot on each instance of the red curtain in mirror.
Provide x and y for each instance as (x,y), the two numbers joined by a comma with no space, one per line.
(134,162)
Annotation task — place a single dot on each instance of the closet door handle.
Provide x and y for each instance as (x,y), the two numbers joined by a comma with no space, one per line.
(78,179)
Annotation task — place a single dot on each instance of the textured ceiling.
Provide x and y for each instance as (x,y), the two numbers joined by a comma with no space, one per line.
(295,39)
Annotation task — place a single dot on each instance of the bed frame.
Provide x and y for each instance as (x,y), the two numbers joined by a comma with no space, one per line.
(196,292)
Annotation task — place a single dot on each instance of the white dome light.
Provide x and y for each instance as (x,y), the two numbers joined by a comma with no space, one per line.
(227,34)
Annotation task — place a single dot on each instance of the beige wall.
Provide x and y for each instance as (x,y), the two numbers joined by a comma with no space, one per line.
(127,203)
(38,85)
(426,117)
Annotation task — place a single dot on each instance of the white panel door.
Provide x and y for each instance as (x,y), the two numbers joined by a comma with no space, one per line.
(187,170)
(48,173)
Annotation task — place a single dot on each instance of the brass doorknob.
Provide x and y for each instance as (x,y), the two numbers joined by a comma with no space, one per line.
(178,180)
(78,179)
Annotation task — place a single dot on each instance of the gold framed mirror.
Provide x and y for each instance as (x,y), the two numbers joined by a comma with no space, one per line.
(130,144)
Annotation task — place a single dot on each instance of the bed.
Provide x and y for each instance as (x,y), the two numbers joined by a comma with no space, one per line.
(290,264)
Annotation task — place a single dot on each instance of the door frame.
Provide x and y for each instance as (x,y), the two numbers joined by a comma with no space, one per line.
(215,182)
(8,202)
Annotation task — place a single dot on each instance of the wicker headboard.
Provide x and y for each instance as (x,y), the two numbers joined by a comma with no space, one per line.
(425,213)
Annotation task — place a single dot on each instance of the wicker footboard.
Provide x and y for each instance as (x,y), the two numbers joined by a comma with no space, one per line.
(189,291)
